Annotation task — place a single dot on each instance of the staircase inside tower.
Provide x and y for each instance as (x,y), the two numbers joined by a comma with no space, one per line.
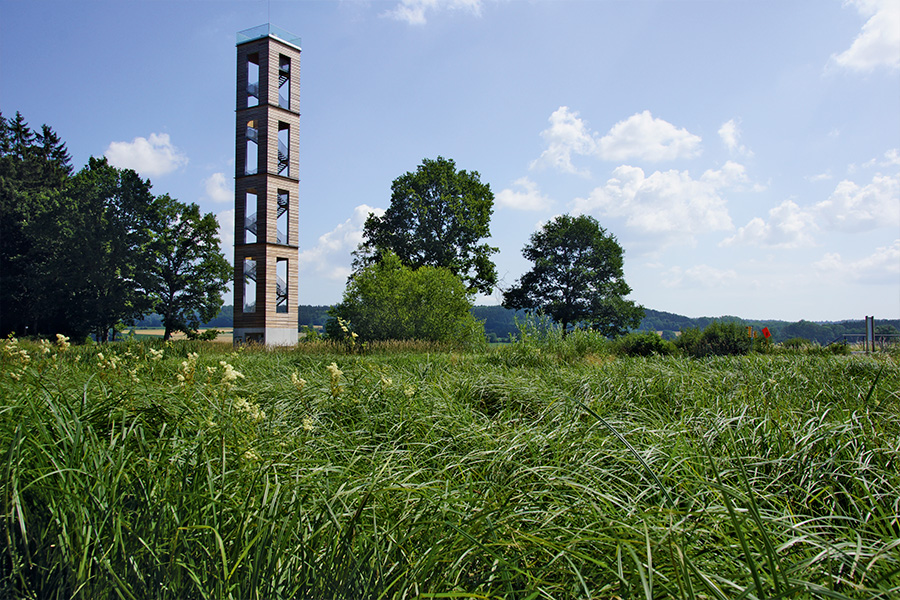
(281,295)
(250,270)
(281,235)
(284,87)
(250,225)
(282,157)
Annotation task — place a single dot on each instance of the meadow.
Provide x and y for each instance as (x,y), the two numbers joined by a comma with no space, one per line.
(534,470)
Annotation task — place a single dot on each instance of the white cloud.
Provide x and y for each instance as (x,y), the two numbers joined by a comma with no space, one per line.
(226,233)
(218,188)
(730,133)
(882,266)
(700,276)
(820,176)
(414,11)
(149,157)
(567,135)
(643,137)
(878,43)
(669,203)
(731,175)
(527,198)
(789,226)
(640,136)
(851,208)
(854,208)
(331,256)
(891,158)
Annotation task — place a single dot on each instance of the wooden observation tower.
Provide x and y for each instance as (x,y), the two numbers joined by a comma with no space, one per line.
(266,186)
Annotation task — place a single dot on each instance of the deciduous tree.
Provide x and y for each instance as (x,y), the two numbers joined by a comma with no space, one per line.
(105,261)
(189,274)
(577,278)
(437,217)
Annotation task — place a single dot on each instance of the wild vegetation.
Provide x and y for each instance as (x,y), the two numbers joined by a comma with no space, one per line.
(561,465)
(500,323)
(546,468)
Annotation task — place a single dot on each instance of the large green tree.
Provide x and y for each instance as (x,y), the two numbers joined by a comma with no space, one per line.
(190,273)
(34,169)
(438,217)
(577,278)
(82,253)
(388,300)
(103,260)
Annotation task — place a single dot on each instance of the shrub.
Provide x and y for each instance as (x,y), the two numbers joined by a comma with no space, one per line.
(689,340)
(795,343)
(643,343)
(205,336)
(391,301)
(718,339)
(838,348)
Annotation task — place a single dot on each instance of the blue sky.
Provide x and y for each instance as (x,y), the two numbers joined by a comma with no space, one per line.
(746,155)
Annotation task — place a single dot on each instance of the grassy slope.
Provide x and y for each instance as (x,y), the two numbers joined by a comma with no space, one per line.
(473,475)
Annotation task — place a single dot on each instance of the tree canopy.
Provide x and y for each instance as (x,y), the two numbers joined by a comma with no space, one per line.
(83,253)
(190,273)
(577,278)
(33,171)
(437,217)
(391,301)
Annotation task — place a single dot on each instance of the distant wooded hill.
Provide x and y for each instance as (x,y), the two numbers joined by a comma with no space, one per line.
(500,322)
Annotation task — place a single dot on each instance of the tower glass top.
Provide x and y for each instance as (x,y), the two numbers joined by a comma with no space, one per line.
(267,30)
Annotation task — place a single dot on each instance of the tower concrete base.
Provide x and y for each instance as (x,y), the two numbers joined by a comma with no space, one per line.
(269,336)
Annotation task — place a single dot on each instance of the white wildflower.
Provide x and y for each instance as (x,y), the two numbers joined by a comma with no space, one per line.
(335,372)
(62,342)
(298,381)
(251,409)
(229,374)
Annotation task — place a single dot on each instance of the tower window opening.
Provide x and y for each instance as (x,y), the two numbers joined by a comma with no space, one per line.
(251,161)
(252,80)
(281,285)
(281,228)
(249,285)
(284,143)
(250,210)
(284,81)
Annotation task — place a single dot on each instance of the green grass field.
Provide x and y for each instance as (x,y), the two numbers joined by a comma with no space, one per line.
(187,470)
